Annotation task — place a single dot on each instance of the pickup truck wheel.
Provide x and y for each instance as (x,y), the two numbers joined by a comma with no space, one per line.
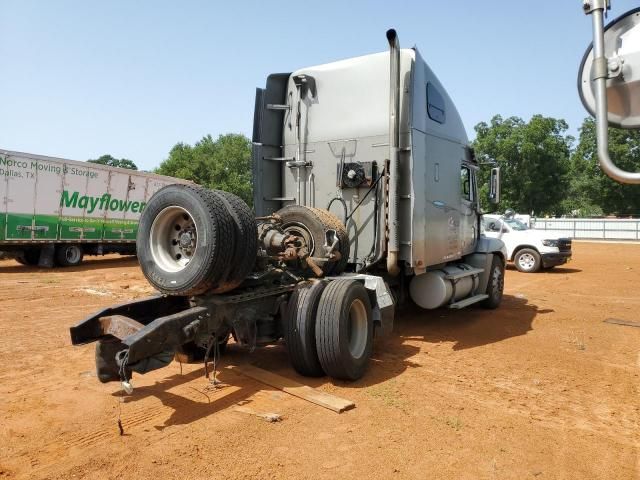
(344,330)
(69,255)
(186,239)
(312,224)
(300,329)
(495,286)
(245,246)
(527,260)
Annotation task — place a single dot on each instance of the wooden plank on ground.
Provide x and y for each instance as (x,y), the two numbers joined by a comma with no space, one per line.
(294,388)
(618,321)
(269,417)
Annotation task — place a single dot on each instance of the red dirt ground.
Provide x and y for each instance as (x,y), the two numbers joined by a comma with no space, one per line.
(540,388)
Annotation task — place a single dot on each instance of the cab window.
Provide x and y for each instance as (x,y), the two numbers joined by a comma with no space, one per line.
(435,104)
(465,184)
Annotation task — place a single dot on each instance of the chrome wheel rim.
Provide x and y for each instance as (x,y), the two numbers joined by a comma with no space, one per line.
(72,254)
(526,261)
(173,239)
(357,331)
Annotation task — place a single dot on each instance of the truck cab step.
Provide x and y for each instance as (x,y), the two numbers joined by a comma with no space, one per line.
(465,302)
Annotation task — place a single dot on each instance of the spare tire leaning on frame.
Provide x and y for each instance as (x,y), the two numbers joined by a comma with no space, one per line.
(186,239)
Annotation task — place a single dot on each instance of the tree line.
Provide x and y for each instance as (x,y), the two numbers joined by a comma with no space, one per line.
(545,171)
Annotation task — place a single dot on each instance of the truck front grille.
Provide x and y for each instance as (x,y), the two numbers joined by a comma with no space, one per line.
(564,244)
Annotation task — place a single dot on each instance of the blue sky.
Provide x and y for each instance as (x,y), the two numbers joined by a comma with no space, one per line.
(82,78)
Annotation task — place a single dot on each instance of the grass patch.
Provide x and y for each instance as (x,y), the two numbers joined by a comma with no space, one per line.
(454,422)
(388,394)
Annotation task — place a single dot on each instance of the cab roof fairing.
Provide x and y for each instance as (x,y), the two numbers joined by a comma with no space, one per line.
(352,100)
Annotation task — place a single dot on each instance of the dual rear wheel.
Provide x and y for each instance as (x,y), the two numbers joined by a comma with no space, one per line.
(66,255)
(329,329)
(193,240)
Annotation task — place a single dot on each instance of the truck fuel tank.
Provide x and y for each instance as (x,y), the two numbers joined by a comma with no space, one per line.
(436,288)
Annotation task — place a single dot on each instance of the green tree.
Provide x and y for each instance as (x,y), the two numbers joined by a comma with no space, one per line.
(534,159)
(224,163)
(590,186)
(115,162)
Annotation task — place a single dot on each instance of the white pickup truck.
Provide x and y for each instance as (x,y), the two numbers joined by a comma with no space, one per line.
(530,250)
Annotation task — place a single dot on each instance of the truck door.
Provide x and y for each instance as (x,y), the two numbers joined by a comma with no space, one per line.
(468,213)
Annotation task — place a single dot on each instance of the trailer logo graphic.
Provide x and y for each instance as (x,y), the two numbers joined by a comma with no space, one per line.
(105,202)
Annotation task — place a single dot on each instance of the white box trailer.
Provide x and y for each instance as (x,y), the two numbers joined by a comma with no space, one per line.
(58,209)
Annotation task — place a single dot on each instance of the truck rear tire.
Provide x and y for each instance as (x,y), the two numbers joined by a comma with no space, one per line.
(344,330)
(30,256)
(300,329)
(312,225)
(495,287)
(527,260)
(185,240)
(245,246)
(69,255)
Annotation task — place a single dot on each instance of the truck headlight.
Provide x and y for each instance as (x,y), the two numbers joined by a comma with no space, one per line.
(550,243)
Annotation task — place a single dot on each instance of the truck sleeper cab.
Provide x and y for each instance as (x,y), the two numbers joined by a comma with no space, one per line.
(365,194)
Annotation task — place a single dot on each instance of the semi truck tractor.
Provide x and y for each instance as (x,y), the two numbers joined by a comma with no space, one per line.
(55,211)
(365,198)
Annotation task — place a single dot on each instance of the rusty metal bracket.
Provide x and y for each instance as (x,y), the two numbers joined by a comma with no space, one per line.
(119,326)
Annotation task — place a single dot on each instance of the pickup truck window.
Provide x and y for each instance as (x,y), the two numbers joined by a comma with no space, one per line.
(491,225)
(516,224)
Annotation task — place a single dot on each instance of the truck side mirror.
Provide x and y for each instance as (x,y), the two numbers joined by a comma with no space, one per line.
(494,185)
(618,64)
(609,80)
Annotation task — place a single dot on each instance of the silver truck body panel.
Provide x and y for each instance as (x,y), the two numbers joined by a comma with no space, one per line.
(345,119)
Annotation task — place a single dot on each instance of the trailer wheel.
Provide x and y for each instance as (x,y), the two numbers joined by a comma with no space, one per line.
(312,224)
(300,329)
(30,256)
(69,255)
(496,284)
(527,260)
(185,240)
(245,245)
(344,330)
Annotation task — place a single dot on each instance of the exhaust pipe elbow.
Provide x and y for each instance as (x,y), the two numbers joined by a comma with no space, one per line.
(392,38)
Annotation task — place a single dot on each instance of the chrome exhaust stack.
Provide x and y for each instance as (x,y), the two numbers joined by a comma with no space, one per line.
(393,243)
